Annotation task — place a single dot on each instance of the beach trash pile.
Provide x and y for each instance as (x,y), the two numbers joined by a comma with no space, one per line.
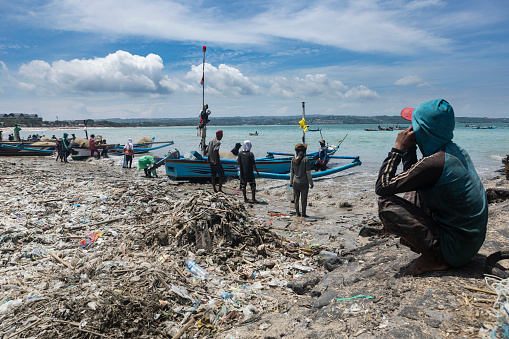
(104,252)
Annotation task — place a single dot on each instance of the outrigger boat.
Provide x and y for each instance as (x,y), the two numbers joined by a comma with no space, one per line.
(20,149)
(144,148)
(198,168)
(83,153)
(356,162)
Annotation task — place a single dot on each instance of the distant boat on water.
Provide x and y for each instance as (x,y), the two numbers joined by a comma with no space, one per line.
(485,127)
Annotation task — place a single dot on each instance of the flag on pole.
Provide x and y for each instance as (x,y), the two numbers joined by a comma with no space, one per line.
(202,79)
(302,124)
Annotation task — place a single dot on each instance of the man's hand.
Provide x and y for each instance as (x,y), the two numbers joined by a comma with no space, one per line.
(405,139)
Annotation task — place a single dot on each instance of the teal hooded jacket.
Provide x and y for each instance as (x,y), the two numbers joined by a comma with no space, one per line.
(458,200)
(446,180)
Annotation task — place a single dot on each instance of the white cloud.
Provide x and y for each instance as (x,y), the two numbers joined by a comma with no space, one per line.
(118,72)
(223,80)
(361,93)
(362,26)
(411,80)
(317,85)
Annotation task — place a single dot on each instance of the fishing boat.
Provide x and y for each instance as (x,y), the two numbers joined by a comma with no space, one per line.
(197,168)
(144,147)
(22,149)
(254,134)
(83,152)
(485,127)
(355,162)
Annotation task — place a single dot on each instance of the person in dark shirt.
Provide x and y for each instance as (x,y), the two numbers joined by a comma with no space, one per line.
(323,157)
(215,162)
(300,178)
(444,211)
(247,166)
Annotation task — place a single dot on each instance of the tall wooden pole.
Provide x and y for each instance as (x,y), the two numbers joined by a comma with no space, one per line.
(203,142)
(203,77)
(304,118)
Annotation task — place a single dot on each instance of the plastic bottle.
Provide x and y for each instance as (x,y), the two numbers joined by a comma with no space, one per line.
(326,254)
(196,269)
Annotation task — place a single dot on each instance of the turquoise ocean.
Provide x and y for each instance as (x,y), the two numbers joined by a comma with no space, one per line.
(486,147)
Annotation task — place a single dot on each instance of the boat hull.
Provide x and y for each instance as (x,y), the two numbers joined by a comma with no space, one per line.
(199,170)
(25,150)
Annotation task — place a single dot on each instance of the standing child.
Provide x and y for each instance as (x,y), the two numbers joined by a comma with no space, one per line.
(129,153)
(300,178)
(247,166)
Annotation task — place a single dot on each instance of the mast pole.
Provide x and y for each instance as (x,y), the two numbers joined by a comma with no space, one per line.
(203,77)
(203,142)
(303,117)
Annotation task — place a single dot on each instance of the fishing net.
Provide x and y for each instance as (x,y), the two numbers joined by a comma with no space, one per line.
(501,287)
(144,140)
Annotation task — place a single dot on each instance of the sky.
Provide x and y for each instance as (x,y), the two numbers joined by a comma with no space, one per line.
(99,59)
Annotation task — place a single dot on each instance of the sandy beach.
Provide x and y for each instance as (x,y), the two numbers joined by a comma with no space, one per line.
(89,249)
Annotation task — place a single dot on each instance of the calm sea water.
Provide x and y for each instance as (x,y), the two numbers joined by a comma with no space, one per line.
(486,146)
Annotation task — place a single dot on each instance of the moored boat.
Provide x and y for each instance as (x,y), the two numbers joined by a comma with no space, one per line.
(26,149)
(197,168)
(355,162)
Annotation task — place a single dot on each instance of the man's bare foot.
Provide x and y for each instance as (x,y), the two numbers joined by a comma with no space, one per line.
(423,264)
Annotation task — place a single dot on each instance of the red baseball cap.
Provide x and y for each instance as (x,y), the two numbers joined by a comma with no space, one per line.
(406,113)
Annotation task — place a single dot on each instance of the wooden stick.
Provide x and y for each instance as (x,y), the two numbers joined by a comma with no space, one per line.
(97,223)
(479,290)
(185,327)
(25,328)
(49,200)
(61,261)
(229,269)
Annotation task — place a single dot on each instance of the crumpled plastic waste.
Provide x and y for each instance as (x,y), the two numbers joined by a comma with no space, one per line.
(91,238)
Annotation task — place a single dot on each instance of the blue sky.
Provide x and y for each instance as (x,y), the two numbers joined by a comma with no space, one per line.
(143,58)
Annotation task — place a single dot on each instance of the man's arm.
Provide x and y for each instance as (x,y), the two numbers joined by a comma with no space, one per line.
(424,174)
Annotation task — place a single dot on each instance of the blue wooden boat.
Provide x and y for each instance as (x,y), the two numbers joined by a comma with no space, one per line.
(143,148)
(356,162)
(25,150)
(198,169)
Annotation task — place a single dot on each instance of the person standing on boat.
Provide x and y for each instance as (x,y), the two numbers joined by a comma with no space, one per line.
(215,162)
(66,149)
(93,147)
(129,153)
(444,212)
(1,137)
(246,161)
(16,132)
(323,157)
(300,178)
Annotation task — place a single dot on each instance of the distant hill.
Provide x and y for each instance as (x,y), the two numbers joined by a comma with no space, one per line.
(312,120)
